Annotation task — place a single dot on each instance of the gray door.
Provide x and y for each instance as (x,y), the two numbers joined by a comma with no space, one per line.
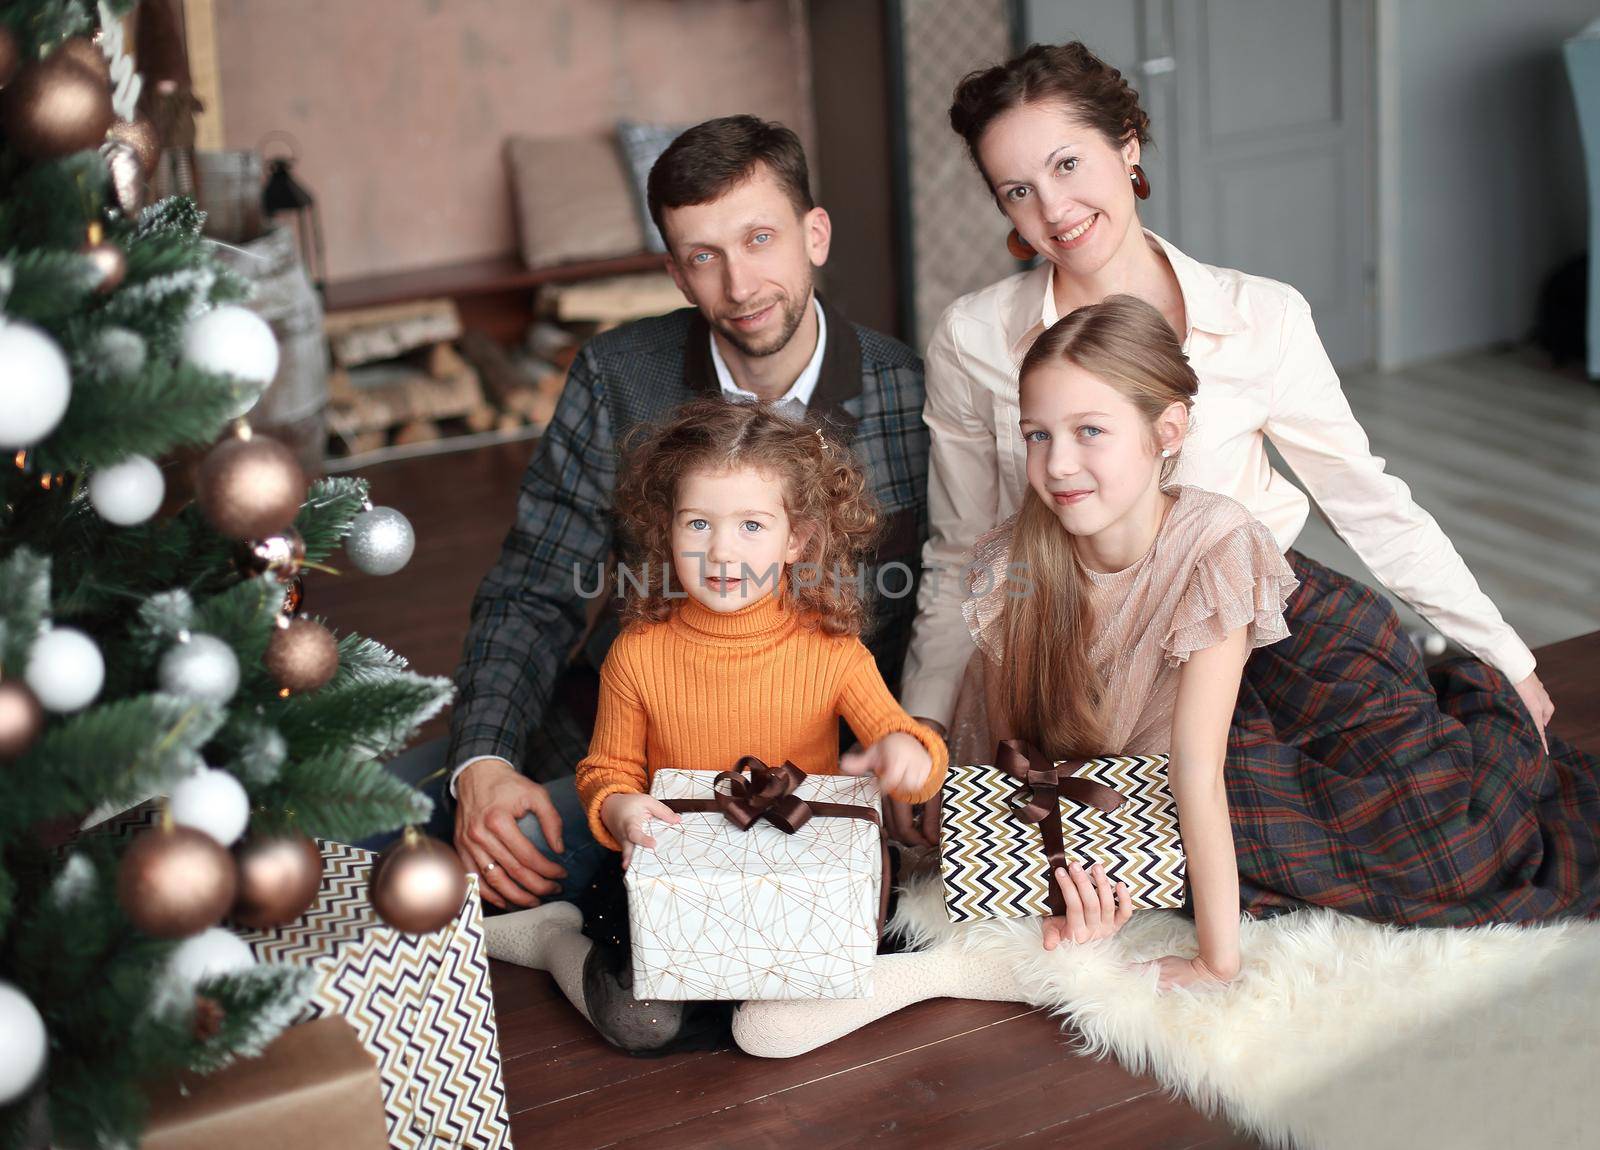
(1262,123)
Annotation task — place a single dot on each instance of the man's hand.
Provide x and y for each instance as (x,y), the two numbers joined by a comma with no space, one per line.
(1095,908)
(626,815)
(1537,700)
(491,795)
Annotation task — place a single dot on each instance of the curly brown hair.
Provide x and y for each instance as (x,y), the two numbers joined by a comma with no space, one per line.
(1069,73)
(824,494)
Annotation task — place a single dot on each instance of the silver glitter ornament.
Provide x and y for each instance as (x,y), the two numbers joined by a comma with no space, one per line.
(380,541)
(200,667)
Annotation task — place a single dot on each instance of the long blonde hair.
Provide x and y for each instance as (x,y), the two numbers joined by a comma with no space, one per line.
(1053,696)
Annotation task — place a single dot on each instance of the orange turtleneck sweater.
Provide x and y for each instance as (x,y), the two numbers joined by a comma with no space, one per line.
(703,688)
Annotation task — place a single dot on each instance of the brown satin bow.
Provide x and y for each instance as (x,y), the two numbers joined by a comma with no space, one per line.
(1042,784)
(767,794)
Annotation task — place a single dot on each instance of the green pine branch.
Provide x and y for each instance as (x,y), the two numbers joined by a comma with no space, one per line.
(370,716)
(324,519)
(116,753)
(45,286)
(338,795)
(24,602)
(167,406)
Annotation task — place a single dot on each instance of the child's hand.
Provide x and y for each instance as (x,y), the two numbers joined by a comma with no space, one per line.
(1189,972)
(1095,908)
(901,763)
(625,815)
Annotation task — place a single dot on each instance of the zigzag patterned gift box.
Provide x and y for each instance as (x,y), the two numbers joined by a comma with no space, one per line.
(721,911)
(996,839)
(421,1004)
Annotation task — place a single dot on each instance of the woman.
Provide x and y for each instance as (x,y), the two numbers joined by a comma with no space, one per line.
(1057,135)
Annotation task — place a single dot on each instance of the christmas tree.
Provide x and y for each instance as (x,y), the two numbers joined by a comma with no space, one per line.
(153,645)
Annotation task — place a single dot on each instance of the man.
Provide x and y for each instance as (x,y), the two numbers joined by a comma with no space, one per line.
(732,199)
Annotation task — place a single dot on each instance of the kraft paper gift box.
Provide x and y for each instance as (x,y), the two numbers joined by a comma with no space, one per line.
(420,1004)
(314,1088)
(720,913)
(1005,826)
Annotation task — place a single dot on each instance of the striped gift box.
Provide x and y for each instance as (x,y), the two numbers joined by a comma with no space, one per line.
(421,1004)
(994,864)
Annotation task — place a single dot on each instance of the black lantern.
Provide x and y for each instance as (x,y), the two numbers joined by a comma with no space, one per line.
(283,194)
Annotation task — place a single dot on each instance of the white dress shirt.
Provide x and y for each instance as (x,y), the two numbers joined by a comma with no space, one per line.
(1263,375)
(794,401)
(793,404)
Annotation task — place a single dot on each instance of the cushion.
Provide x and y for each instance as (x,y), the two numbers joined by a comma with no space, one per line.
(572,200)
(642,145)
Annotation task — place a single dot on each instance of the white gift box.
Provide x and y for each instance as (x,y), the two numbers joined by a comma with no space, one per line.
(723,914)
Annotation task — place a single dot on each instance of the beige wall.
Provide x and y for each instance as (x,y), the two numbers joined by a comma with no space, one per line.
(400,107)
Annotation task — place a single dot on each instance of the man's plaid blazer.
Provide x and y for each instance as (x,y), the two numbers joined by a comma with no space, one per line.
(529,611)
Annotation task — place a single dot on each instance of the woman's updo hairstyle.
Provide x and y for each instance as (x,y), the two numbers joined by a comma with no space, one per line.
(1067,73)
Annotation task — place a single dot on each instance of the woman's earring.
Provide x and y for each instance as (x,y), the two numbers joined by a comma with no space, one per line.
(1141,183)
(1166,453)
(1018,247)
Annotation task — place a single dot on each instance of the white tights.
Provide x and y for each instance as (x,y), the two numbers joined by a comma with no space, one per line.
(549,938)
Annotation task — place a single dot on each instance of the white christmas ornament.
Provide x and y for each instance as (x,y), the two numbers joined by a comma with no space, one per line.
(36,385)
(211,801)
(65,669)
(128,492)
(22,1043)
(200,667)
(234,341)
(120,352)
(210,953)
(381,541)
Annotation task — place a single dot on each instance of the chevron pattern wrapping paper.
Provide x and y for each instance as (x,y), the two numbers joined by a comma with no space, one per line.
(421,1005)
(721,914)
(993,864)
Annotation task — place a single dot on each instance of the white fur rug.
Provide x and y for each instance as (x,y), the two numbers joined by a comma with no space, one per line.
(1338,1034)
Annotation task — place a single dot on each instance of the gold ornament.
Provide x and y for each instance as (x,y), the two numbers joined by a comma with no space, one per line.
(302,655)
(417,884)
(54,107)
(140,135)
(293,597)
(251,488)
(280,554)
(10,54)
(86,53)
(21,719)
(110,264)
(278,879)
(175,881)
(127,177)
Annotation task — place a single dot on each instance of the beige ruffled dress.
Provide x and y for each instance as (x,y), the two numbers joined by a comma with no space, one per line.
(1213,567)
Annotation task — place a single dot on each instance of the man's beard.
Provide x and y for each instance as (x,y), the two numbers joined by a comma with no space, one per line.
(793,314)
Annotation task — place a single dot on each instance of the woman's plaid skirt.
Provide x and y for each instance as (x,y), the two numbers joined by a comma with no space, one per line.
(1359,779)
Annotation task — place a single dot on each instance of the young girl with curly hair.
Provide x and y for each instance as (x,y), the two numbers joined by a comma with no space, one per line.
(742,620)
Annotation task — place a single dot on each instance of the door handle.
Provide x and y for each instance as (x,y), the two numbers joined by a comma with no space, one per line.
(1158,65)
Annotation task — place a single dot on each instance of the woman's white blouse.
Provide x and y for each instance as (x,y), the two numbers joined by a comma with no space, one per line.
(1263,375)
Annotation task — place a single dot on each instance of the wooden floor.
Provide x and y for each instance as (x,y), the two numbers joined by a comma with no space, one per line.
(1506,456)
(964,1074)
